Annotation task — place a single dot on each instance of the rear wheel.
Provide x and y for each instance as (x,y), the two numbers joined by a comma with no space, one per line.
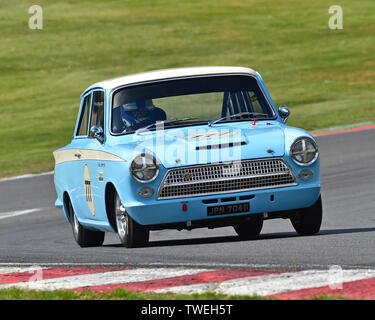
(131,233)
(307,221)
(84,237)
(250,229)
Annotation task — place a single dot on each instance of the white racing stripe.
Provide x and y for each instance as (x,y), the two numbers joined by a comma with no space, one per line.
(275,283)
(11,214)
(105,278)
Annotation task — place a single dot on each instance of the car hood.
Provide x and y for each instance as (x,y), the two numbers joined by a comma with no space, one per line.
(203,144)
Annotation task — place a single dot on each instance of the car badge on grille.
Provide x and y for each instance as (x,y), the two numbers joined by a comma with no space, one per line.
(187,176)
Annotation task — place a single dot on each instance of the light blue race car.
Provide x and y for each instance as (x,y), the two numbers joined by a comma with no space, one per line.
(182,149)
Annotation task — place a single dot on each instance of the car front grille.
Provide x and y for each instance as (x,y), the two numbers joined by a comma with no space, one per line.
(226,177)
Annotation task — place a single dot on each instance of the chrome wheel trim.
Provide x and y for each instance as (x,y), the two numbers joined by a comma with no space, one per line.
(121,219)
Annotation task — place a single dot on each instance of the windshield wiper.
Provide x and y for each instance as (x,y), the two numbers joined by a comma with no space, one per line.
(252,114)
(162,123)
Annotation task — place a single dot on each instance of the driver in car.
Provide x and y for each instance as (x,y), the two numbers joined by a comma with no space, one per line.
(139,114)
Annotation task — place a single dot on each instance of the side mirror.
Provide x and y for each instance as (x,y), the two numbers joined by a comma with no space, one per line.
(97,133)
(284,113)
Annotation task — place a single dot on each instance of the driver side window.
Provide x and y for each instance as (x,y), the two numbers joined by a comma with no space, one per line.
(84,120)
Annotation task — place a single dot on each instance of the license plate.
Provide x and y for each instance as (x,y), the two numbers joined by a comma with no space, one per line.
(229,208)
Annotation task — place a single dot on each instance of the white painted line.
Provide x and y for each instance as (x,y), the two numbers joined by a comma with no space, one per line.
(12,214)
(26,176)
(274,283)
(104,278)
(190,289)
(20,269)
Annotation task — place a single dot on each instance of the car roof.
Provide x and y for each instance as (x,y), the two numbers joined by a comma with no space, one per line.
(169,73)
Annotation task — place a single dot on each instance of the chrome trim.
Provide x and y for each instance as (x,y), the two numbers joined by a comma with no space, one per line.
(157,167)
(82,97)
(288,171)
(304,151)
(284,113)
(224,179)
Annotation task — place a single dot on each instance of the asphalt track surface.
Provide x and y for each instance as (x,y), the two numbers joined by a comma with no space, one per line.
(347,237)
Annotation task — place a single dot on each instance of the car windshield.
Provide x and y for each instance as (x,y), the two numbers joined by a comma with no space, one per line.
(191,101)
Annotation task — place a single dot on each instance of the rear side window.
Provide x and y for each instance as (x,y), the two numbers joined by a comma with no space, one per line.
(84,120)
(97,114)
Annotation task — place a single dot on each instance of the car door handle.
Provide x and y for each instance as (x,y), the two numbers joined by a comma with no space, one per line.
(78,155)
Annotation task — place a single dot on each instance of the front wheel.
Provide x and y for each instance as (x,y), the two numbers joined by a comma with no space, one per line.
(307,221)
(131,233)
(84,238)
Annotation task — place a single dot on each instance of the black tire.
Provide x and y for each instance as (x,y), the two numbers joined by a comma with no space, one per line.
(308,221)
(131,234)
(250,229)
(85,238)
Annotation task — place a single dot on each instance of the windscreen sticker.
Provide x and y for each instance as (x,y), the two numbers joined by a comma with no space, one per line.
(253,98)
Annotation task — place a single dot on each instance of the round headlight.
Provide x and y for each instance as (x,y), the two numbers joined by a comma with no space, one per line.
(144,168)
(304,151)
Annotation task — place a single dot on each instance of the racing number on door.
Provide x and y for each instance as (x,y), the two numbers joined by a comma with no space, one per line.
(88,190)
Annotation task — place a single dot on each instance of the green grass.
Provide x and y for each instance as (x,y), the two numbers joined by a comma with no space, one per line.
(121,294)
(326,77)
(118,294)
